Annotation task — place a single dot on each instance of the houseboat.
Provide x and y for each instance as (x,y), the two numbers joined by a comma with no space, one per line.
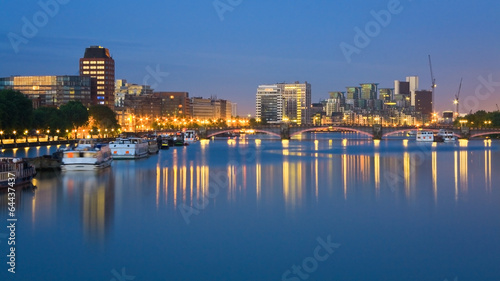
(86,156)
(425,136)
(15,171)
(129,148)
(190,136)
(447,136)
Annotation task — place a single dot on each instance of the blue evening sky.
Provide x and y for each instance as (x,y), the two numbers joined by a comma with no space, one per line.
(230,53)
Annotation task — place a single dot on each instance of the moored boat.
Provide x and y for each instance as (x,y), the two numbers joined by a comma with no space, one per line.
(164,142)
(425,136)
(87,155)
(15,171)
(190,136)
(153,146)
(129,148)
(178,139)
(447,136)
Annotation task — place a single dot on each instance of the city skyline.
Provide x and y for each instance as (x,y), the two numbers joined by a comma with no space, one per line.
(230,50)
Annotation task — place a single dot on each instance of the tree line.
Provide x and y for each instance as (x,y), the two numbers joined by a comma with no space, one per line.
(481,118)
(17,115)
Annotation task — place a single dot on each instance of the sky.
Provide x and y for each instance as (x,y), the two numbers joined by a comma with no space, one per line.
(226,48)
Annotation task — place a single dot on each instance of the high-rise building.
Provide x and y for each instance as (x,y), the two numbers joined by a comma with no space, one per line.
(234,109)
(98,64)
(369,91)
(269,103)
(297,102)
(335,103)
(402,93)
(413,85)
(386,94)
(423,102)
(51,90)
(353,93)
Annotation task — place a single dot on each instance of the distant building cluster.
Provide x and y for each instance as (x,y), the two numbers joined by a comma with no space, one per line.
(363,104)
(96,84)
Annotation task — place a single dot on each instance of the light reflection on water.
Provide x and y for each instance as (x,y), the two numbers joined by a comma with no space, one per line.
(254,176)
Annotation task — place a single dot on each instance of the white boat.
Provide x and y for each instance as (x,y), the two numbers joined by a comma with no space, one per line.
(448,136)
(425,136)
(87,155)
(190,136)
(15,171)
(129,148)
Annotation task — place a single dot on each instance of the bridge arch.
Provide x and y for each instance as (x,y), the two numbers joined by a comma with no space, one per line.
(232,130)
(338,128)
(484,134)
(409,129)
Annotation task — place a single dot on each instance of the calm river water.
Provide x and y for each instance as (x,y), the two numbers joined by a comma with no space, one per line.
(325,207)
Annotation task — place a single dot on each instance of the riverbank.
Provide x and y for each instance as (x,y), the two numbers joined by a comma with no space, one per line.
(45,143)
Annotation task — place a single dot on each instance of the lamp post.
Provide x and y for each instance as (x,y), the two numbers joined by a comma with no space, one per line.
(1,137)
(14,136)
(26,135)
(37,135)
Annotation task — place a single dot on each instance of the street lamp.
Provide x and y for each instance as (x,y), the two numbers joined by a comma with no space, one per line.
(1,137)
(14,136)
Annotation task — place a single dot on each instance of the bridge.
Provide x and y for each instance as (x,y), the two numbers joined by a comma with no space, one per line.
(376,131)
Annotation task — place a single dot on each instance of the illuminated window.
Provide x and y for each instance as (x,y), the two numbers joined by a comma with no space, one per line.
(85,62)
(92,62)
(86,67)
(100,72)
(100,62)
(92,72)
(100,82)
(100,92)
(100,67)
(85,72)
(100,87)
(100,77)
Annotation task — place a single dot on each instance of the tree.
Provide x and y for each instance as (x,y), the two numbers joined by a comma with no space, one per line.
(50,118)
(104,117)
(75,112)
(16,111)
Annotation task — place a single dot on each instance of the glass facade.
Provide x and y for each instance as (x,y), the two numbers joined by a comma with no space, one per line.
(50,90)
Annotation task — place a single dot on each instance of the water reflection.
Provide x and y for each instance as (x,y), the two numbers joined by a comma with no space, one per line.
(286,172)
(96,190)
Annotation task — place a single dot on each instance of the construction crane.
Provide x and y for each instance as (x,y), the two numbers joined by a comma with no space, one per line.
(433,80)
(457,98)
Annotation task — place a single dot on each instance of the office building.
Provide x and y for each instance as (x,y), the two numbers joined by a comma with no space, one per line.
(353,93)
(413,87)
(122,88)
(174,104)
(297,102)
(97,63)
(368,91)
(269,103)
(51,90)
(423,102)
(386,94)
